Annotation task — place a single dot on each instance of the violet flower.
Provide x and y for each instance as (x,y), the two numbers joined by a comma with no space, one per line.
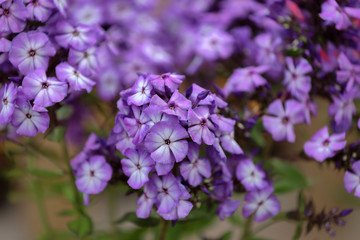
(169,80)
(93,175)
(333,13)
(296,79)
(45,91)
(246,79)
(352,179)
(27,121)
(200,125)
(86,61)
(322,145)
(76,80)
(12,16)
(138,125)
(281,124)
(227,208)
(31,50)
(251,175)
(137,167)
(348,73)
(8,94)
(261,204)
(79,37)
(146,200)
(166,142)
(169,192)
(39,9)
(196,168)
(141,91)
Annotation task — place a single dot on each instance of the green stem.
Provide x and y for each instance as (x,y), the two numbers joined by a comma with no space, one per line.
(37,191)
(164,229)
(78,202)
(247,228)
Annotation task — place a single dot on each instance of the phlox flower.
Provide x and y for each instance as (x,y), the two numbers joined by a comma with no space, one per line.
(8,94)
(352,179)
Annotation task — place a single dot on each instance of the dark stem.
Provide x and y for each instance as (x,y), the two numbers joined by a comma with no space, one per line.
(247,228)
(164,229)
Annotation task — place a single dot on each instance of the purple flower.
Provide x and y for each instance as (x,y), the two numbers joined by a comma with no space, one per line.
(183,207)
(262,204)
(30,51)
(333,13)
(280,124)
(79,37)
(227,208)
(229,144)
(268,48)
(343,108)
(296,80)
(166,142)
(138,125)
(7,105)
(137,167)
(12,16)
(61,5)
(246,79)
(348,73)
(178,105)
(39,9)
(352,179)
(200,125)
(77,81)
(45,91)
(27,121)
(169,80)
(214,43)
(141,91)
(308,108)
(322,145)
(93,175)
(169,192)
(197,168)
(146,201)
(250,175)
(86,61)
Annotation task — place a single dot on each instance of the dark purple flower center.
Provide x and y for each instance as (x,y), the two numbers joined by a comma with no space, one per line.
(5,101)
(35,2)
(92,173)
(252,174)
(285,120)
(86,54)
(167,141)
(6,12)
(164,77)
(293,76)
(45,85)
(143,90)
(213,42)
(28,115)
(165,190)
(76,33)
(203,122)
(326,142)
(172,105)
(76,73)
(32,53)
(261,203)
(138,166)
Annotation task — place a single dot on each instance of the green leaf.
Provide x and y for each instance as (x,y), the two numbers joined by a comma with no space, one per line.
(57,134)
(293,52)
(131,217)
(289,178)
(43,173)
(69,212)
(256,134)
(64,112)
(81,226)
(226,236)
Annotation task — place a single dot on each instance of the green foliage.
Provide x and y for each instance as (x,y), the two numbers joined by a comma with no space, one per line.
(57,134)
(288,177)
(131,217)
(257,134)
(82,226)
(64,113)
(44,173)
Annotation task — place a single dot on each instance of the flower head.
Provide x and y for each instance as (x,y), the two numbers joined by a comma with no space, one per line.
(262,204)
(31,50)
(322,145)
(7,105)
(93,175)
(39,9)
(251,175)
(12,16)
(352,179)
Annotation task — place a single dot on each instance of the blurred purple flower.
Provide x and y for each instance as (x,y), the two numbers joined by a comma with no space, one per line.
(352,179)
(251,175)
(39,9)
(12,16)
(7,105)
